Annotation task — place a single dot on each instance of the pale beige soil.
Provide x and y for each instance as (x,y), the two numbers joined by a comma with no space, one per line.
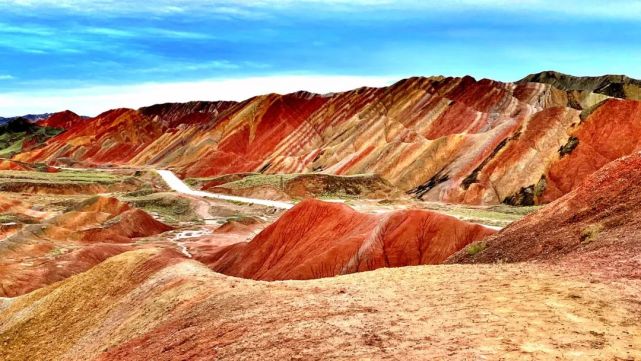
(455,312)
(438,312)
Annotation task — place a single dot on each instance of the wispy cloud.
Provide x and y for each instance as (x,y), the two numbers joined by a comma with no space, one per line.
(6,77)
(628,9)
(78,38)
(183,66)
(141,32)
(26,29)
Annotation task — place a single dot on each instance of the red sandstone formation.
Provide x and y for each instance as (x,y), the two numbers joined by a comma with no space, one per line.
(448,139)
(595,225)
(319,239)
(11,165)
(6,164)
(133,223)
(18,212)
(71,243)
(61,120)
(612,130)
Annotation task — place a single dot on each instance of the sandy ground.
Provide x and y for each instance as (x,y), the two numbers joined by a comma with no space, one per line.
(187,312)
(455,312)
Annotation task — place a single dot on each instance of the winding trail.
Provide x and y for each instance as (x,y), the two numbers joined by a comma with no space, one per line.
(179,186)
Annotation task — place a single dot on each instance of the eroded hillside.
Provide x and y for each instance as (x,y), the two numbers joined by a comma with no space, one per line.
(441,139)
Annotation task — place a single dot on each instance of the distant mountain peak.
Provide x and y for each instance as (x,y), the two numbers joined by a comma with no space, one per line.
(614,85)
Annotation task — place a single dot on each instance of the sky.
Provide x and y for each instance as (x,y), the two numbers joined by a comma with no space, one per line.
(90,56)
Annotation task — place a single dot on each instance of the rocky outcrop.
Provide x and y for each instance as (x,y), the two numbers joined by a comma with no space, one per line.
(300,186)
(62,120)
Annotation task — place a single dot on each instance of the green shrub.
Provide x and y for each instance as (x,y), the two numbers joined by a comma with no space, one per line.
(475,248)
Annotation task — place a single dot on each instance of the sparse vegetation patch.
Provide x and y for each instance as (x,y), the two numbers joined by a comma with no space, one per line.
(169,207)
(475,248)
(62,177)
(591,232)
(572,143)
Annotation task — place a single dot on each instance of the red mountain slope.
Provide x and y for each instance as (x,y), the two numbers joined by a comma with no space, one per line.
(598,225)
(449,139)
(61,120)
(611,131)
(318,239)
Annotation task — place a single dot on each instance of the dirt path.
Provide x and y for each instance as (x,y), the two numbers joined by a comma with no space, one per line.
(179,186)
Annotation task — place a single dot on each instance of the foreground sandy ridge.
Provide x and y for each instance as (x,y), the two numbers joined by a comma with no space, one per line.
(152,305)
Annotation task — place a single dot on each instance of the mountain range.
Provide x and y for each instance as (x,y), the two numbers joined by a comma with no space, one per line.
(30,117)
(398,230)
(448,139)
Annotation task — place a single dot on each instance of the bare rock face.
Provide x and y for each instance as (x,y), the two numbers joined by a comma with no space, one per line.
(318,239)
(598,224)
(611,130)
(449,139)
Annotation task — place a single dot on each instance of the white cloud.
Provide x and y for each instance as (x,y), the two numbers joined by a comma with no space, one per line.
(6,77)
(94,100)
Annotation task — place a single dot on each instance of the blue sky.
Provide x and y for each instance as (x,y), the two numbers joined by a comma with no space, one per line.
(93,55)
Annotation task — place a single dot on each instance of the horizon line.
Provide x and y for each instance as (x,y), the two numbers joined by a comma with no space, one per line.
(320,82)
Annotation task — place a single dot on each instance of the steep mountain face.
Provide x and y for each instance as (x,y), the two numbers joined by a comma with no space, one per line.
(448,139)
(186,113)
(112,137)
(595,225)
(299,246)
(617,86)
(612,130)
